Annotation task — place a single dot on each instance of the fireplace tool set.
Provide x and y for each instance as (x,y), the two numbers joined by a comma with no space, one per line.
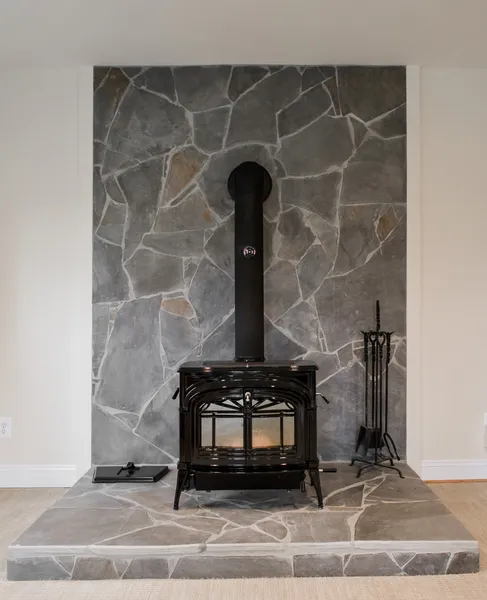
(375,446)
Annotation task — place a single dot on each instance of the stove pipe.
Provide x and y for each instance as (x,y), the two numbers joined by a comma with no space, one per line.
(249,185)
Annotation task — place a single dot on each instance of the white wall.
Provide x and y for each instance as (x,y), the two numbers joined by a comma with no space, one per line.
(45,302)
(454,272)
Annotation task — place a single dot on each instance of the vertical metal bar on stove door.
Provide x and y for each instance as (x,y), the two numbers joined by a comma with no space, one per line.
(281,428)
(213,430)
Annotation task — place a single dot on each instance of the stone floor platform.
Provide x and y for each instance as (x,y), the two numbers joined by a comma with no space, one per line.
(377,525)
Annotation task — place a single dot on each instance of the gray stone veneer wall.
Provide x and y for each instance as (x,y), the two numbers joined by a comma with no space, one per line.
(166,139)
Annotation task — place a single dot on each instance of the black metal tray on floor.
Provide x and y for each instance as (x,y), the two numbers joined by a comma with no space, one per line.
(118,474)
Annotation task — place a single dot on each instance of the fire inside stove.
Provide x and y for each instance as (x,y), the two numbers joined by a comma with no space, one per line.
(248,424)
(224,424)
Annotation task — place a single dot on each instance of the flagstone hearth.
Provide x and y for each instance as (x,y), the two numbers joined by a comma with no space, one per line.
(377,525)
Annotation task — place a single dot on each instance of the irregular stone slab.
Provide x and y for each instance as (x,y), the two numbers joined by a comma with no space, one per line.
(192,213)
(112,224)
(213,181)
(147,568)
(391,124)
(307,108)
(254,113)
(301,323)
(113,190)
(244,78)
(278,346)
(221,247)
(220,344)
(160,535)
(159,422)
(386,222)
(100,314)
(90,500)
(178,306)
(313,150)
(338,421)
(318,565)
(313,268)
(56,526)
(113,442)
(211,295)
(94,568)
(363,565)
(133,71)
(395,489)
(345,355)
(141,187)
(99,76)
(201,88)
(281,289)
(352,497)
(157,79)
(181,243)
(146,125)
(358,239)
(409,521)
(210,127)
(382,277)
(132,356)
(427,564)
(208,523)
(376,173)
(242,535)
(331,85)
(231,567)
(297,237)
(99,197)
(402,557)
(326,233)
(273,528)
(360,131)
(184,166)
(178,337)
(327,365)
(35,569)
(371,91)
(318,527)
(317,194)
(106,99)
(464,562)
(152,272)
(310,77)
(109,279)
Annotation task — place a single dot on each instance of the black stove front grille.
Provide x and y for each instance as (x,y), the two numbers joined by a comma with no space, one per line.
(247,426)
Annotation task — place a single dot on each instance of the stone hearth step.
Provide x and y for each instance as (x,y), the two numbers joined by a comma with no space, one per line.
(377,525)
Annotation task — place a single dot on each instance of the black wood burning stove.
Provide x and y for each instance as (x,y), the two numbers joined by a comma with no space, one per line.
(248,424)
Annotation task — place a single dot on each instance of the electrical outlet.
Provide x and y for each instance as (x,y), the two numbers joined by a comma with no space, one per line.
(5,427)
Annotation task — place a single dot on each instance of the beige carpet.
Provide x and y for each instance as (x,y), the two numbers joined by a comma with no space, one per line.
(467,500)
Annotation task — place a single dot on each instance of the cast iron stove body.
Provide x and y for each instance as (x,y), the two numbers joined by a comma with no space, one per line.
(248,424)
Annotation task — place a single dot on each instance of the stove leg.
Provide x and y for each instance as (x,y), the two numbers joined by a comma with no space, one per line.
(182,483)
(314,475)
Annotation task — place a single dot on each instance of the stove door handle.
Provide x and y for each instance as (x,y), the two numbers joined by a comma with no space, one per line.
(176,394)
(323,398)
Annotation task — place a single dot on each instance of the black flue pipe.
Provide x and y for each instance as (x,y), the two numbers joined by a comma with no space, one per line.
(249,185)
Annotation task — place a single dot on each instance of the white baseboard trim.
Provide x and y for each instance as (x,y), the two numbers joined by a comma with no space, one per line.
(37,476)
(450,470)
